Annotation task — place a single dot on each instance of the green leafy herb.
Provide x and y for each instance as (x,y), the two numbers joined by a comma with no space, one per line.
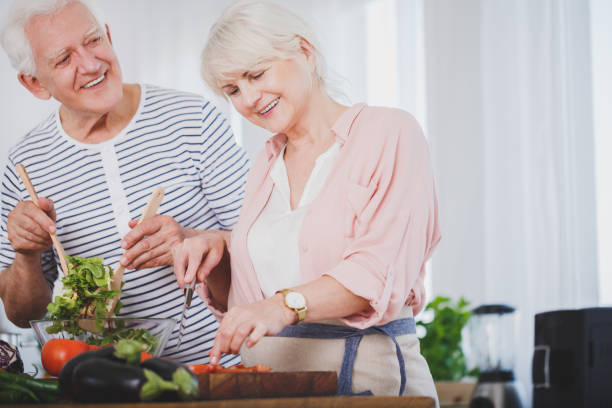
(441,345)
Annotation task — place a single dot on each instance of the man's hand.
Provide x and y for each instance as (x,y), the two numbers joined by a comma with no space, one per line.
(149,244)
(29,226)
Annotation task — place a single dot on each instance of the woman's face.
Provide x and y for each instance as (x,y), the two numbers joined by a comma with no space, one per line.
(273,96)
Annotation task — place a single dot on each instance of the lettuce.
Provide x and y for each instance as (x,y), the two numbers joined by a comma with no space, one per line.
(86,293)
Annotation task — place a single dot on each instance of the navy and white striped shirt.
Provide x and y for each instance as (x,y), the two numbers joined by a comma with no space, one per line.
(177,140)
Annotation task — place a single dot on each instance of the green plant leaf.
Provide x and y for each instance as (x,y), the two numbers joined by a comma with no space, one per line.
(441,344)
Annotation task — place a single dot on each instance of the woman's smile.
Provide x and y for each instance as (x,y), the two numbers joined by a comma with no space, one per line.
(267,111)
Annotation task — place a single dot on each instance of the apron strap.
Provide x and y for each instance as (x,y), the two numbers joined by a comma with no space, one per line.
(353,338)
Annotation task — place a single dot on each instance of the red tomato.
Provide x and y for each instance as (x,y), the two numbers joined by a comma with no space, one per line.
(91,347)
(56,352)
(145,356)
(200,368)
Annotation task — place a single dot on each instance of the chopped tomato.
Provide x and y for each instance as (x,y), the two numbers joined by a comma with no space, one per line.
(238,368)
(200,368)
(145,356)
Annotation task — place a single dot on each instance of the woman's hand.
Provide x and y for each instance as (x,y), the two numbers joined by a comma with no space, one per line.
(250,323)
(198,255)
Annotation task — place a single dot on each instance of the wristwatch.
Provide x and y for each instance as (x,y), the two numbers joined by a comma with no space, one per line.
(295,301)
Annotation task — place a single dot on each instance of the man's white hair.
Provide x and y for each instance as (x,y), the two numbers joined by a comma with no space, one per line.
(13,36)
(252,32)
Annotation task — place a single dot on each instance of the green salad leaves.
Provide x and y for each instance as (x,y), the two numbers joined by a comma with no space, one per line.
(86,291)
(87,294)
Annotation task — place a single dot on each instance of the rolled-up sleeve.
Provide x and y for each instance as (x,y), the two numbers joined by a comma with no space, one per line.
(392,226)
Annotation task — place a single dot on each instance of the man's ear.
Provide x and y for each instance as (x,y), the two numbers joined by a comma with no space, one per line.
(33,85)
(110,40)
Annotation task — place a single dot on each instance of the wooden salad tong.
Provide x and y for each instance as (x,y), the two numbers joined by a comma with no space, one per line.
(23,174)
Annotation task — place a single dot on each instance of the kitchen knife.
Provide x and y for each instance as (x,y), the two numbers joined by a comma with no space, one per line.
(188,290)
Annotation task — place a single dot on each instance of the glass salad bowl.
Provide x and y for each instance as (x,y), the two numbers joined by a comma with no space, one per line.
(152,332)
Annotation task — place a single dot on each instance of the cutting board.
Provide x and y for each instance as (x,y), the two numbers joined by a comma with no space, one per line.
(266,385)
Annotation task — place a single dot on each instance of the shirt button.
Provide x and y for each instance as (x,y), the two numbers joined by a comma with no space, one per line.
(305,248)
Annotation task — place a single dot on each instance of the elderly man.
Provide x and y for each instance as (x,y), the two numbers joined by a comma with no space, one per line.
(95,162)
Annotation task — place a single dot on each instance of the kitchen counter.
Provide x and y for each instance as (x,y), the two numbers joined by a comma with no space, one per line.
(307,402)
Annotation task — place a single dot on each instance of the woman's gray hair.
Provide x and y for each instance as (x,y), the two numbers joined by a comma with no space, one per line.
(13,36)
(250,33)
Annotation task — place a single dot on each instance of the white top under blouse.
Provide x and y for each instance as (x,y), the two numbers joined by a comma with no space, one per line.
(273,238)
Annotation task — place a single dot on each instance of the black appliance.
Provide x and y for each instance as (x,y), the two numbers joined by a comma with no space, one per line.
(572,360)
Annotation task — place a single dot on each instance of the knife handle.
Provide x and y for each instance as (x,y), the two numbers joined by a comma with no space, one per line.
(188,290)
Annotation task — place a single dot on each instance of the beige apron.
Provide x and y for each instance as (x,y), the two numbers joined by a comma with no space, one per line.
(376,366)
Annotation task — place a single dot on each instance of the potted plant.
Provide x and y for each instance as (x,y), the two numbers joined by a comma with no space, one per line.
(441,347)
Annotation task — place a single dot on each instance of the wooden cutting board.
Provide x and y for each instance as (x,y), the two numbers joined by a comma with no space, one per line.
(266,385)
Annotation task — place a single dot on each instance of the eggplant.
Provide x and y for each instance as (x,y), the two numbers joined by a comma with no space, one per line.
(65,377)
(103,380)
(169,370)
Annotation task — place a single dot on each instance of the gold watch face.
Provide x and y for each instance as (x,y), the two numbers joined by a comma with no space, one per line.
(295,300)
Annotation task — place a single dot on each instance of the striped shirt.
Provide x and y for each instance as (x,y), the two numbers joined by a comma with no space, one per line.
(177,140)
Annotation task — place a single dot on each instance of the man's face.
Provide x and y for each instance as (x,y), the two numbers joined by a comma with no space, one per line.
(75,61)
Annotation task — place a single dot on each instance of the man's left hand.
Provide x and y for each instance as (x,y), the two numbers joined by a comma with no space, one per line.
(149,244)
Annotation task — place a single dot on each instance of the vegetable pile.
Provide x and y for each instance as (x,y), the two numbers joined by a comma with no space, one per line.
(119,374)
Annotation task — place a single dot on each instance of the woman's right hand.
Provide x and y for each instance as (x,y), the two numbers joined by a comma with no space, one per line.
(198,255)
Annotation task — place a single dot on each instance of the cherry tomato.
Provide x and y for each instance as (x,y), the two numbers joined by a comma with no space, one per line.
(56,352)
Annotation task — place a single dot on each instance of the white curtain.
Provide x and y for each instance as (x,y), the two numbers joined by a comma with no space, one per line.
(509,108)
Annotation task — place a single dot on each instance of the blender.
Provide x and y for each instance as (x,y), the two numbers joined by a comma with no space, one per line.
(491,330)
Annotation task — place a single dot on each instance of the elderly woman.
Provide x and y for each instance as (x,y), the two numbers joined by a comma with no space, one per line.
(340,216)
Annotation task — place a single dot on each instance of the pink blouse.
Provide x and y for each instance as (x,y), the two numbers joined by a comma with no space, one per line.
(373,225)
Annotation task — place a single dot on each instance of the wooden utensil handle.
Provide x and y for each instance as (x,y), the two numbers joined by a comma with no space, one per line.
(153,205)
(150,210)
(23,174)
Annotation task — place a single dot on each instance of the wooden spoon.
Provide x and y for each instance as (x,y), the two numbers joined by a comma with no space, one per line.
(152,206)
(23,174)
